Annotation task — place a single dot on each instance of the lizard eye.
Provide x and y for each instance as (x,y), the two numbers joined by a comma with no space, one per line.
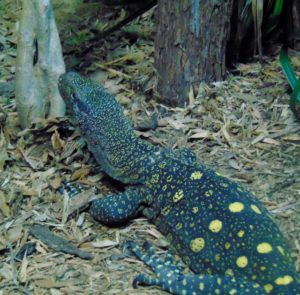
(74,97)
(81,105)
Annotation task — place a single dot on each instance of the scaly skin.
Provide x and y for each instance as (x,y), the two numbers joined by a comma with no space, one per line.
(223,233)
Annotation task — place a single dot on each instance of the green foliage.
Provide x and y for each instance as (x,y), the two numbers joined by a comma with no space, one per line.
(293,81)
(78,38)
(259,11)
(277,8)
(255,24)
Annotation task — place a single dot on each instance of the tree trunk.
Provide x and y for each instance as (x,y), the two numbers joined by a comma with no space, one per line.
(190,46)
(296,14)
(39,64)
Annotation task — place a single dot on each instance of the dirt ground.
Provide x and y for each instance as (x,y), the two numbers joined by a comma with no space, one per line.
(242,127)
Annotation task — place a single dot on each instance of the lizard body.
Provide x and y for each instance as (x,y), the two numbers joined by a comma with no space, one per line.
(220,230)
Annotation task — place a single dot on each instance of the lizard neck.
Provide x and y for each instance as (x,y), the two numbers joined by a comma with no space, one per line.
(123,155)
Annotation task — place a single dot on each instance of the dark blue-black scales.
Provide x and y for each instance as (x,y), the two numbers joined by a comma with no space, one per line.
(220,230)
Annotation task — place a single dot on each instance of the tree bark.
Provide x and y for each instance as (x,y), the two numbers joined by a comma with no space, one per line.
(190,46)
(296,18)
(39,64)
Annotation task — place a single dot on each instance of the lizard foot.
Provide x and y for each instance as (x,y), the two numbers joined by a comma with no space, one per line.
(71,189)
(167,270)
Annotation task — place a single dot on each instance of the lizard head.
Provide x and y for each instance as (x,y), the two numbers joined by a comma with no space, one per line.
(99,116)
(88,100)
(94,109)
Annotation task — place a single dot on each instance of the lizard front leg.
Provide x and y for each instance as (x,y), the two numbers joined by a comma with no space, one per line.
(119,208)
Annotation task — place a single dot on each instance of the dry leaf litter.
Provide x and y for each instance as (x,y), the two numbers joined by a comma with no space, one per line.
(242,127)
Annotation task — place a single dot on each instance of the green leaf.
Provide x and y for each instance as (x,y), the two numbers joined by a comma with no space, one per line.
(293,81)
(277,8)
(287,67)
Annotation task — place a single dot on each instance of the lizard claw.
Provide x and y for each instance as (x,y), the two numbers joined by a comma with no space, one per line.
(144,280)
(148,248)
(70,189)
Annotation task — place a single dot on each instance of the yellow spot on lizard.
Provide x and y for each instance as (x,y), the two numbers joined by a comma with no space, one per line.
(179,225)
(162,165)
(169,178)
(215,226)
(229,272)
(195,209)
(240,189)
(242,261)
(268,288)
(284,280)
(197,244)
(165,211)
(196,175)
(227,245)
(236,207)
(208,193)
(264,248)
(281,250)
(154,178)
(201,286)
(255,209)
(178,196)
(241,233)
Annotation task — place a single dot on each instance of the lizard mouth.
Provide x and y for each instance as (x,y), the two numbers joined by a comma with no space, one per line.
(79,105)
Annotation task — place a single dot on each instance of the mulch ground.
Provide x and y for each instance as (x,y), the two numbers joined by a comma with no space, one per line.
(242,127)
